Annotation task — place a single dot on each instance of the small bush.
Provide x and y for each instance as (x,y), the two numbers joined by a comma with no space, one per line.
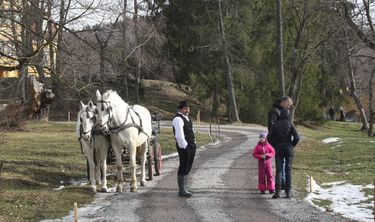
(12,116)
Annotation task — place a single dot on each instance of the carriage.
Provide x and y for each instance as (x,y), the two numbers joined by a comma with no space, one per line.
(154,152)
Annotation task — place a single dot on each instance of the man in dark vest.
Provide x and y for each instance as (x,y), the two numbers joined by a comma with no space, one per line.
(185,144)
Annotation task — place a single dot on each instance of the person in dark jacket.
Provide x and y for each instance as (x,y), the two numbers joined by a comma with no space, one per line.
(331,113)
(186,146)
(342,114)
(284,102)
(283,137)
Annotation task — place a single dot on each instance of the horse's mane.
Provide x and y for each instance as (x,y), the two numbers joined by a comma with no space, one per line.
(79,120)
(114,98)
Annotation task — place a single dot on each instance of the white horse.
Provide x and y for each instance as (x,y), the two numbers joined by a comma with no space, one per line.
(94,146)
(130,128)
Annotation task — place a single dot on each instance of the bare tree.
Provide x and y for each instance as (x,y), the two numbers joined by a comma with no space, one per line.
(352,13)
(138,51)
(371,103)
(233,112)
(280,47)
(352,85)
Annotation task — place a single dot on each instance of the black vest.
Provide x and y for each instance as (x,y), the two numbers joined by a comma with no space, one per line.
(188,130)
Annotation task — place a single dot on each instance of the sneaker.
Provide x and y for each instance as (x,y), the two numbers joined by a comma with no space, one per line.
(262,192)
(275,196)
(272,191)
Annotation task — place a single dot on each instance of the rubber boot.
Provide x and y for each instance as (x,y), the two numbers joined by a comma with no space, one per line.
(181,186)
(185,184)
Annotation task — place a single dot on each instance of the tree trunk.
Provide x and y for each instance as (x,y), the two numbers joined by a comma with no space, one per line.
(280,51)
(233,112)
(51,36)
(370,103)
(138,52)
(352,86)
(102,49)
(215,101)
(22,84)
(123,51)
(58,72)
(40,38)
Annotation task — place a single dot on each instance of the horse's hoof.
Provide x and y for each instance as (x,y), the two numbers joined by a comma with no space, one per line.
(104,190)
(119,189)
(143,183)
(133,189)
(93,189)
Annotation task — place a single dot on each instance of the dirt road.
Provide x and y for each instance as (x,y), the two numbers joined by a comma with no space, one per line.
(224,181)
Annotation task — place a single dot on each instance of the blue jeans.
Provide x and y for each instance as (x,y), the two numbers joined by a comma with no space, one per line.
(284,156)
(283,175)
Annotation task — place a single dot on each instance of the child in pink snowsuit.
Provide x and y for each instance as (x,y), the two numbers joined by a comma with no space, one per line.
(263,151)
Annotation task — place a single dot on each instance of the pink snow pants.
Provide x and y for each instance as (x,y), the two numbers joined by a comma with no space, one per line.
(266,180)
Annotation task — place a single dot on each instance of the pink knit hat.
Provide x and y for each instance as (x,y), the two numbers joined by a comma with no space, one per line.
(263,135)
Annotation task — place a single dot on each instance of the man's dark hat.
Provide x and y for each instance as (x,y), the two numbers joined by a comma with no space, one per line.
(183,104)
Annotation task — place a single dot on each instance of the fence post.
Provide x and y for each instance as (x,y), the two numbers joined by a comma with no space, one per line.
(199,117)
(311,184)
(68,116)
(75,212)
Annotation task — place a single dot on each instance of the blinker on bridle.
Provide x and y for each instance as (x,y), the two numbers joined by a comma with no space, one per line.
(87,117)
(109,109)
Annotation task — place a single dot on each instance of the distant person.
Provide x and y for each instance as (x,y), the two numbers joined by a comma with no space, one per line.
(283,137)
(186,147)
(331,113)
(342,114)
(284,102)
(263,151)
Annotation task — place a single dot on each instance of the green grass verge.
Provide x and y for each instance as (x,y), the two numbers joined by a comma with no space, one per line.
(37,159)
(351,160)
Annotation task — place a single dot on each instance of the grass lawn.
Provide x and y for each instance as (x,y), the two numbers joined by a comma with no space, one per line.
(351,159)
(37,159)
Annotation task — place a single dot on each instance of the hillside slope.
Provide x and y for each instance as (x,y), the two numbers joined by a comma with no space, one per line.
(163,97)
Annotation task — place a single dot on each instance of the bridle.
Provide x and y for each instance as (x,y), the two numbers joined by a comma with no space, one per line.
(124,125)
(109,110)
(88,111)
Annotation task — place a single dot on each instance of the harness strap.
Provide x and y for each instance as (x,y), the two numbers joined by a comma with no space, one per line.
(133,124)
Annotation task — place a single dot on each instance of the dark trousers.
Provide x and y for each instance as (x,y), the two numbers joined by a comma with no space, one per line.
(284,153)
(186,157)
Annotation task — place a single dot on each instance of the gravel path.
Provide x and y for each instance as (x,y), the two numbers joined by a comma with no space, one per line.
(224,181)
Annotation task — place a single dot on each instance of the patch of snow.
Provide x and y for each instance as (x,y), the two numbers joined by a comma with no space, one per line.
(331,140)
(334,183)
(337,146)
(59,188)
(346,199)
(372,141)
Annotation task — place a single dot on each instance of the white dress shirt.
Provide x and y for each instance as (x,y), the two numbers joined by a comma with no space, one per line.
(178,125)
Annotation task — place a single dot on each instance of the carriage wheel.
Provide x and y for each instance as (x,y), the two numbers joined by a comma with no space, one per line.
(157,159)
(149,165)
